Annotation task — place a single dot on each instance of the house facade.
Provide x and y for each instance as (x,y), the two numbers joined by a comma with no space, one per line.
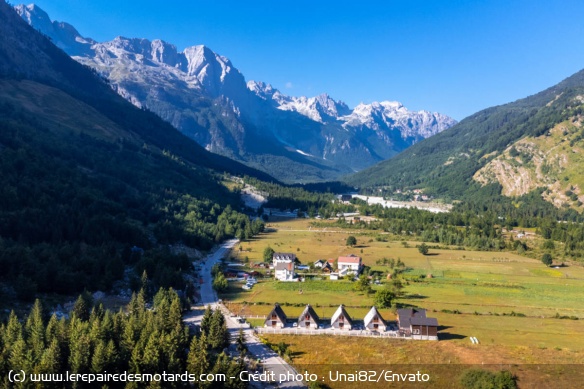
(284,271)
(276,318)
(373,321)
(308,319)
(341,319)
(352,263)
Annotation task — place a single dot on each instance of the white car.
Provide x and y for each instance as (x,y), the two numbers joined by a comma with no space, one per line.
(246,287)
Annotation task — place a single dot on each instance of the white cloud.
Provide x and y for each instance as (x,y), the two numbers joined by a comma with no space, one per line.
(289,85)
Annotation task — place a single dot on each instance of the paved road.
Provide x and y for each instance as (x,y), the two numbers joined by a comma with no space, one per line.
(271,361)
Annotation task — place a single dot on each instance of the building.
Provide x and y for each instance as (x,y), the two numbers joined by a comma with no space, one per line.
(424,327)
(283,258)
(351,262)
(284,271)
(373,321)
(413,322)
(276,318)
(308,318)
(341,319)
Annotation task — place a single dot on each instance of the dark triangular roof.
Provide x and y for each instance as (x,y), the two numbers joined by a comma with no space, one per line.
(308,311)
(279,312)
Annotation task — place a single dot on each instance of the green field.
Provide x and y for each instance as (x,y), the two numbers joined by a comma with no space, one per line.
(508,301)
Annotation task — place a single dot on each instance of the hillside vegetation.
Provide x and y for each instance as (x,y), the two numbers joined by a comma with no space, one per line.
(444,165)
(91,185)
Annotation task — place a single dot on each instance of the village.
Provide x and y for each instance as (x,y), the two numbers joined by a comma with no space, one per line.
(411,323)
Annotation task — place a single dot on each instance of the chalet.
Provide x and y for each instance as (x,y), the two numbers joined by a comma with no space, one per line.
(373,321)
(351,262)
(283,258)
(284,271)
(276,318)
(319,264)
(308,318)
(424,326)
(414,322)
(341,319)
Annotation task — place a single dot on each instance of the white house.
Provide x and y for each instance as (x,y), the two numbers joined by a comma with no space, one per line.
(351,262)
(283,258)
(373,321)
(284,271)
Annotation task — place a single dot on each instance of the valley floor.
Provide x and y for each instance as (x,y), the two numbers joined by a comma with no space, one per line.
(524,314)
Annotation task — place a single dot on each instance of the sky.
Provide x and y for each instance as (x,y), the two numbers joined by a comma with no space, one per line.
(453,57)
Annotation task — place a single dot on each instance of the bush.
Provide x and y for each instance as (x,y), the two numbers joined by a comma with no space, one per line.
(547,259)
(484,379)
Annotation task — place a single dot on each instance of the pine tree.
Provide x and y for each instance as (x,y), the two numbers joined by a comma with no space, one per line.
(206,320)
(240,342)
(81,308)
(218,332)
(198,358)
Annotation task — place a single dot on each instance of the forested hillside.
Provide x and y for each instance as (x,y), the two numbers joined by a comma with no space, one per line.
(444,164)
(91,184)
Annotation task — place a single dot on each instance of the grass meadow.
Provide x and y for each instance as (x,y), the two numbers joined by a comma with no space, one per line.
(513,304)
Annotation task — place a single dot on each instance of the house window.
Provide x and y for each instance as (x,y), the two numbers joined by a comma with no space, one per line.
(274,317)
(341,324)
(274,323)
(416,331)
(307,324)
(375,326)
(307,317)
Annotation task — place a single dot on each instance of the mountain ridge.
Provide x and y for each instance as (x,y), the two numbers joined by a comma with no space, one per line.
(203,95)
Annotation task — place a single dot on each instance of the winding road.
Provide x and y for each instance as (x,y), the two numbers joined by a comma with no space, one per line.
(270,360)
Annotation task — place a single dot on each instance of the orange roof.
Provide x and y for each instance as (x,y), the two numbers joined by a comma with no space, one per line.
(350,259)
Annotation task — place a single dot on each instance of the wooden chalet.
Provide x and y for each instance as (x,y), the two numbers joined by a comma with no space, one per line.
(424,326)
(308,319)
(414,322)
(373,321)
(276,318)
(341,319)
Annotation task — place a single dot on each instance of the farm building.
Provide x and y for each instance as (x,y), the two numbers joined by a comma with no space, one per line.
(341,319)
(373,321)
(308,318)
(276,318)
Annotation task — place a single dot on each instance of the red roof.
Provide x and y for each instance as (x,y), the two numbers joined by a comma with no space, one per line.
(350,259)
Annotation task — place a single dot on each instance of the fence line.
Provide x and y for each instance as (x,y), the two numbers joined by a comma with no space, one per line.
(358,333)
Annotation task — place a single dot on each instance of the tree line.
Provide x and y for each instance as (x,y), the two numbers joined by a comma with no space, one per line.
(137,340)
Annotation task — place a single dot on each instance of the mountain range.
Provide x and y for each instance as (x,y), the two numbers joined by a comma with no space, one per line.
(202,94)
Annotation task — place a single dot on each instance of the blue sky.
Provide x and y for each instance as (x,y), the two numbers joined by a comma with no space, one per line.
(454,57)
